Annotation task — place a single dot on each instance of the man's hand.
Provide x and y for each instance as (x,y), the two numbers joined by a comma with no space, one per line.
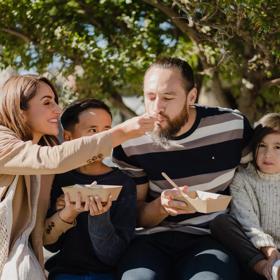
(172,205)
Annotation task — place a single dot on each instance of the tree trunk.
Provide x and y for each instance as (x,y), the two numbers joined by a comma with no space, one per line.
(247,103)
(117,102)
(214,94)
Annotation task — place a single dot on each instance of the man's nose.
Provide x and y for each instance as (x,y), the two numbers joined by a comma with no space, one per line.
(159,106)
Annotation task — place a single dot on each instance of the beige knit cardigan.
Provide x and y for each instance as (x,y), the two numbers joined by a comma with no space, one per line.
(30,161)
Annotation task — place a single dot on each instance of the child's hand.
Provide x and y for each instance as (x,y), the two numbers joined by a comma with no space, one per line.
(72,210)
(96,207)
(272,256)
(60,203)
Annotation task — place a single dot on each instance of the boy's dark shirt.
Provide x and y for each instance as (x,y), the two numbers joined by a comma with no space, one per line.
(96,243)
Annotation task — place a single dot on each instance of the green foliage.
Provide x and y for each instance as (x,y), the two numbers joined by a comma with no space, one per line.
(106,45)
(111,40)
(241,41)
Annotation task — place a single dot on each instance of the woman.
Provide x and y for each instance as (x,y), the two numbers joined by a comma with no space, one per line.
(29,117)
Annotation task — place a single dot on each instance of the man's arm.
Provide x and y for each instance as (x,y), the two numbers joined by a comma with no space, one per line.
(149,213)
(153,213)
(246,145)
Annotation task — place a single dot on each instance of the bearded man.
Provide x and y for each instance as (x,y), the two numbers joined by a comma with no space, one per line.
(198,147)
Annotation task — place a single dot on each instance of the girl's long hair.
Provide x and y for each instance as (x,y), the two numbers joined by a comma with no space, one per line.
(14,97)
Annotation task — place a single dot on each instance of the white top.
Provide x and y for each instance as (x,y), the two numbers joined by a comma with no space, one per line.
(256,205)
(18,262)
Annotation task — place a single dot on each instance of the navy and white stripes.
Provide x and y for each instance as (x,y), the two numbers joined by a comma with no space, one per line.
(204,158)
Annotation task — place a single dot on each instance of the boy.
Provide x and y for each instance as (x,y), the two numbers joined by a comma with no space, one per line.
(90,237)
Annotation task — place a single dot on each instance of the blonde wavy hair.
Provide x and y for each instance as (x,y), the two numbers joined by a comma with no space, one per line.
(14,98)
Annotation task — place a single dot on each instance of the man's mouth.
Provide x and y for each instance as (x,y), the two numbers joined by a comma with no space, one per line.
(161,118)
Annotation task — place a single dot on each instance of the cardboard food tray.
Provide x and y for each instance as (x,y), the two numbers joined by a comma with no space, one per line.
(206,202)
(102,191)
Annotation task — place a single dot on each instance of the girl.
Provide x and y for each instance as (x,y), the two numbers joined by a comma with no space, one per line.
(255,194)
(29,117)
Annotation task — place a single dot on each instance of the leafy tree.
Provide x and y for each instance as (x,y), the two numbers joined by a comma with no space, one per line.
(238,45)
(111,42)
(105,46)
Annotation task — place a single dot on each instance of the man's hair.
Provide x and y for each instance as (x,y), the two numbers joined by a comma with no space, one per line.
(70,115)
(177,63)
(269,123)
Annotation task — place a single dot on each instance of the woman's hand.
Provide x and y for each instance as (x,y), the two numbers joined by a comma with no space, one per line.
(96,207)
(132,128)
(138,126)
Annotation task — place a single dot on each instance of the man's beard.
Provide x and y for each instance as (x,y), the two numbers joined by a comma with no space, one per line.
(162,136)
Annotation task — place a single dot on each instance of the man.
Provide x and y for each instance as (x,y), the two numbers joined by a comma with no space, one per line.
(196,146)
(89,243)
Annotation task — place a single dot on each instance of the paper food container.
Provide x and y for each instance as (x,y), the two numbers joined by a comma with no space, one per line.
(103,191)
(206,202)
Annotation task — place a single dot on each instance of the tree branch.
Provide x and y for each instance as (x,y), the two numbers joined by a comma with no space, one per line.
(89,12)
(271,83)
(182,24)
(16,33)
(117,101)
(177,19)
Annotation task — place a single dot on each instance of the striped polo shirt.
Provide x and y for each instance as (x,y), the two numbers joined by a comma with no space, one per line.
(204,158)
